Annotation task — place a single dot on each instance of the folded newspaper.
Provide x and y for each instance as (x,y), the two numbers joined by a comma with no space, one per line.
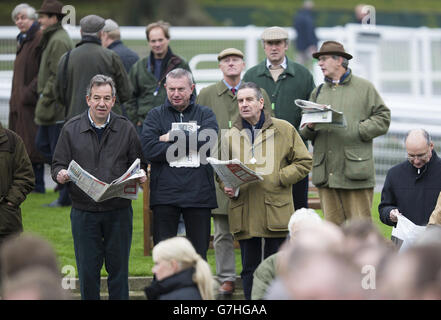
(233,172)
(319,113)
(192,159)
(407,231)
(125,186)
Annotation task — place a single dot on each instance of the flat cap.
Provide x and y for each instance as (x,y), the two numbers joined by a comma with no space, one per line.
(229,52)
(274,33)
(110,25)
(92,23)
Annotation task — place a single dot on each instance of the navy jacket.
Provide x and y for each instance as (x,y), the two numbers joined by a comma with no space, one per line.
(413,194)
(179,286)
(128,57)
(181,187)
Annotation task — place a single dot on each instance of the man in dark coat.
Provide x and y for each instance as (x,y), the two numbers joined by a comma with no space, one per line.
(24,94)
(412,187)
(186,189)
(17,180)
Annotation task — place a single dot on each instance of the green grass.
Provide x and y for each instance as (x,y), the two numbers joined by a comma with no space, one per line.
(53,224)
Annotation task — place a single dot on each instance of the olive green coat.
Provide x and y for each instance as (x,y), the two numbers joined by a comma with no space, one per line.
(263,208)
(343,156)
(55,43)
(16,181)
(223,102)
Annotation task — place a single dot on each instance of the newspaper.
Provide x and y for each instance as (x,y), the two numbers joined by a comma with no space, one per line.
(407,231)
(233,172)
(125,186)
(192,159)
(319,113)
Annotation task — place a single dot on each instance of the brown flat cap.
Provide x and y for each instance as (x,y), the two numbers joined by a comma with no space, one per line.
(332,48)
(92,23)
(51,6)
(274,33)
(229,52)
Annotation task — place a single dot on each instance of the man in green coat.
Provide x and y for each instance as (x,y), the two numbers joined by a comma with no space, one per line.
(49,114)
(259,212)
(343,161)
(17,180)
(285,81)
(148,74)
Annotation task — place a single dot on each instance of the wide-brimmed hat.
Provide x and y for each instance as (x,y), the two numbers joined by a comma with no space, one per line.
(332,48)
(51,6)
(229,52)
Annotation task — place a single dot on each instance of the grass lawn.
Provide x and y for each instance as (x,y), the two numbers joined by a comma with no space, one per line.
(54,225)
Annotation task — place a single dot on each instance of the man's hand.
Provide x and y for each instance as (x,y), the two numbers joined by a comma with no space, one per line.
(393,215)
(164,137)
(229,192)
(142,179)
(63,176)
(311,126)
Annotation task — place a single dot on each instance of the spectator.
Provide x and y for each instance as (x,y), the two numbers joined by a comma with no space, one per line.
(148,74)
(72,81)
(48,114)
(343,169)
(170,194)
(24,94)
(306,41)
(412,187)
(180,273)
(17,180)
(261,210)
(284,81)
(104,144)
(111,39)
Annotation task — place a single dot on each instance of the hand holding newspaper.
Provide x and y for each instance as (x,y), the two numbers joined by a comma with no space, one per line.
(319,113)
(125,186)
(233,173)
(407,231)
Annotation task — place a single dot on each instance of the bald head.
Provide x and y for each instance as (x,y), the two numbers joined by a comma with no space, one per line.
(419,147)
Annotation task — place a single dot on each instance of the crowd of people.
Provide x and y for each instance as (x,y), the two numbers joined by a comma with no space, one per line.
(100,105)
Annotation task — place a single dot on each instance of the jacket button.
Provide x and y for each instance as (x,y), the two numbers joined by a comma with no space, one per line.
(330,174)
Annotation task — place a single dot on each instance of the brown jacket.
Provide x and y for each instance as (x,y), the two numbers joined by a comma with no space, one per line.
(24,94)
(435,217)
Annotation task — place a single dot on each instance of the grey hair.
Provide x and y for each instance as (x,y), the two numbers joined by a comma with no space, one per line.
(423,132)
(29,11)
(180,73)
(344,63)
(255,87)
(101,80)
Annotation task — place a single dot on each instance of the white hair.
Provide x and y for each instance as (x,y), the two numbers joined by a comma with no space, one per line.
(29,11)
(303,216)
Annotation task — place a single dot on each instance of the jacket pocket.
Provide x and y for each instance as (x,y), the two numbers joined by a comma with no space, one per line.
(278,211)
(45,110)
(318,168)
(10,219)
(235,215)
(358,164)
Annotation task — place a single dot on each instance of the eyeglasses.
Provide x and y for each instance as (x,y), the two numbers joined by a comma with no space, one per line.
(423,156)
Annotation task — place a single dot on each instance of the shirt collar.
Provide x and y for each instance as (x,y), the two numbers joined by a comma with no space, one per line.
(230,87)
(95,125)
(284,65)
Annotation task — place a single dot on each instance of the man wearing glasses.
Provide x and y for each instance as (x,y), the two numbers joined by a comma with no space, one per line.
(412,187)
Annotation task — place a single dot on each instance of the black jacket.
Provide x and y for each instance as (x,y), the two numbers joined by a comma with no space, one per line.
(179,286)
(106,159)
(413,194)
(181,187)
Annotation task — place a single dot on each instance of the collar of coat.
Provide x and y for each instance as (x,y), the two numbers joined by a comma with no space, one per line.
(86,125)
(89,39)
(190,104)
(222,88)
(345,78)
(262,70)
(28,35)
(268,121)
(169,63)
(47,34)
(426,167)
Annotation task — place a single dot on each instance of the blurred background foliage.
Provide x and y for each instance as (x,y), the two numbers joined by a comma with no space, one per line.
(328,13)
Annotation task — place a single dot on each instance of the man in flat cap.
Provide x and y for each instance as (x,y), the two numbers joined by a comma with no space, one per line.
(343,162)
(49,115)
(111,39)
(148,74)
(89,58)
(285,81)
(221,98)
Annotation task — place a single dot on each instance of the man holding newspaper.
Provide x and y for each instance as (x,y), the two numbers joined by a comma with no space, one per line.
(105,145)
(261,210)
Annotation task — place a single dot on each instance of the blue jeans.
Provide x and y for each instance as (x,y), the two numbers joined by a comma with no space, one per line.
(102,237)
